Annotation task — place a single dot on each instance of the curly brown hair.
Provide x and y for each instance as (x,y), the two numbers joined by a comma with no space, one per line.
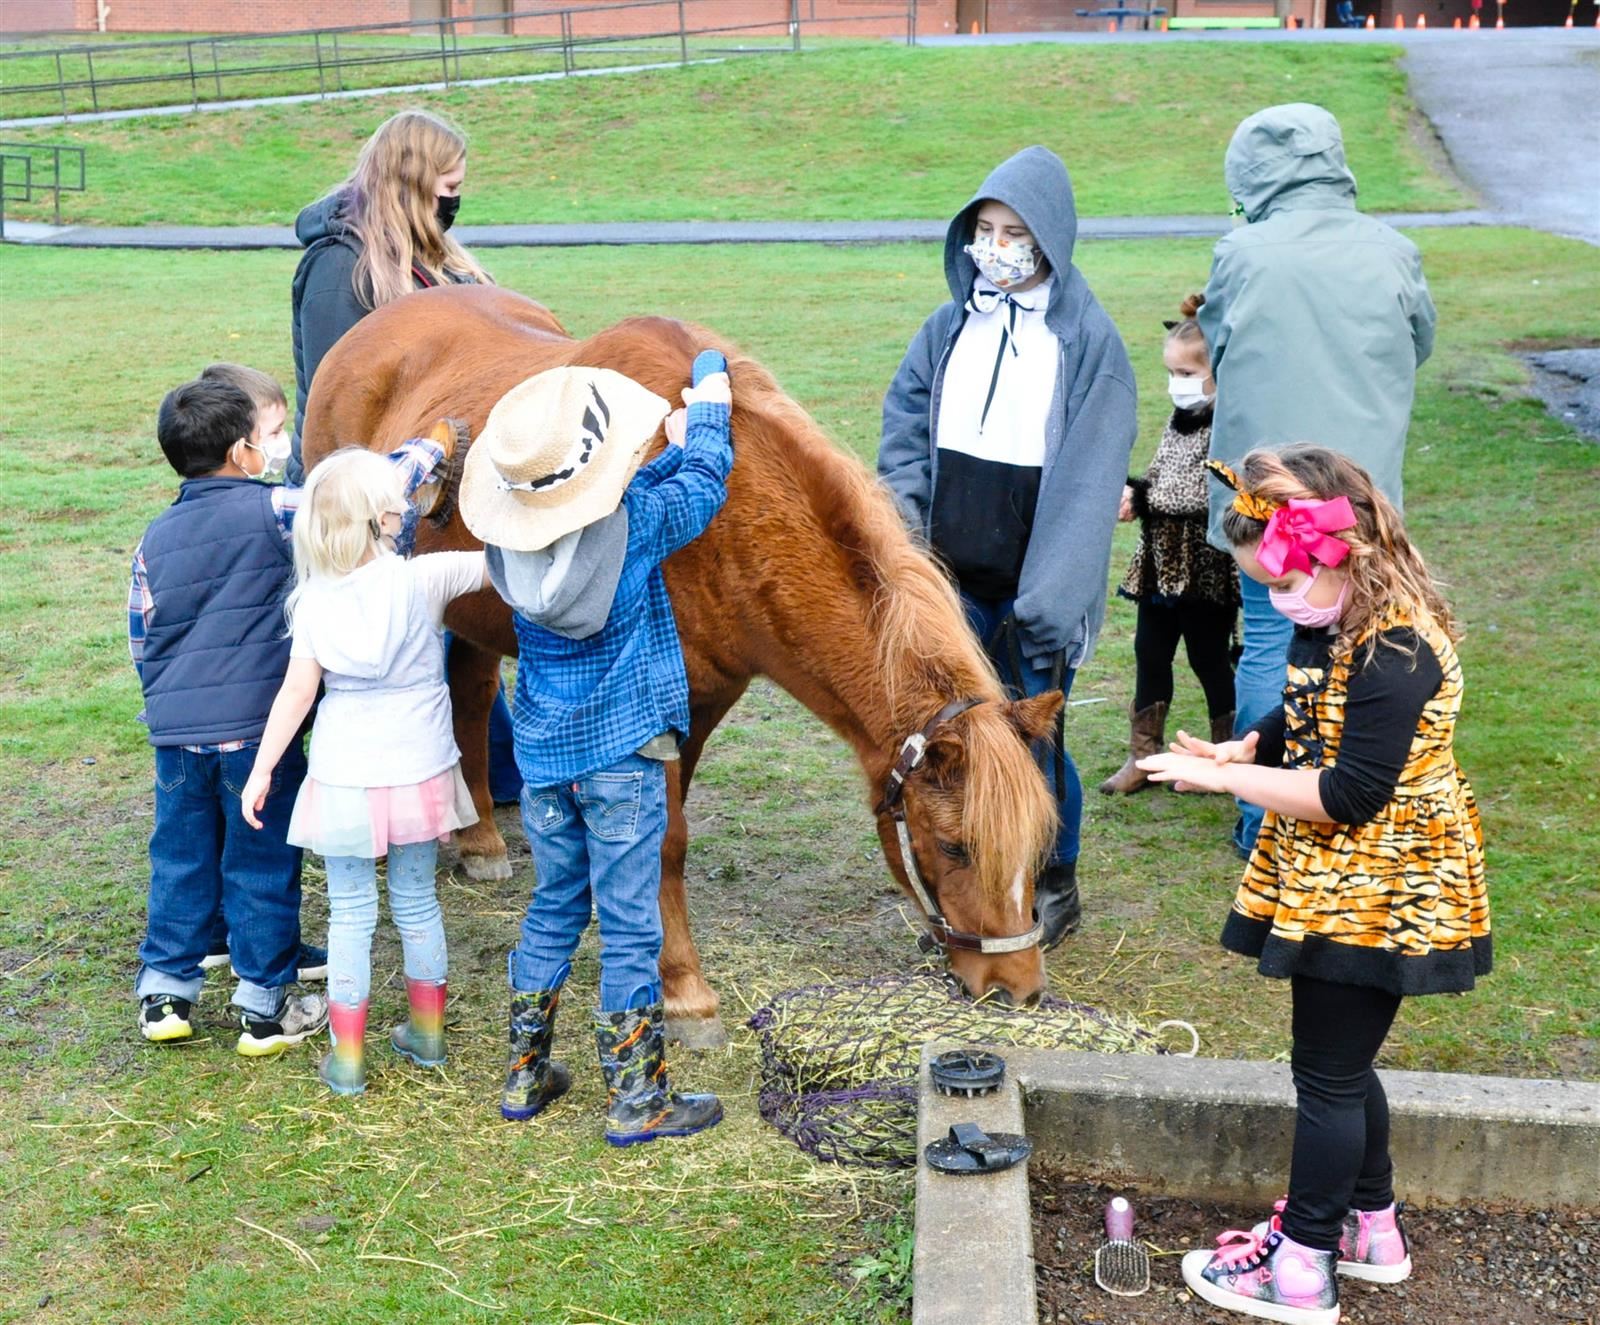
(1386,573)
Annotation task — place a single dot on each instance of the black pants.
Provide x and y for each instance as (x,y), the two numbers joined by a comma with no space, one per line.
(1206,630)
(1341,1127)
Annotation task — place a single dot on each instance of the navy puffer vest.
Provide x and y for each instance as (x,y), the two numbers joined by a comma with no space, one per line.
(216,650)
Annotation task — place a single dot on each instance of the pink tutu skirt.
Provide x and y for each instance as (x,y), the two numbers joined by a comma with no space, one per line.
(364,821)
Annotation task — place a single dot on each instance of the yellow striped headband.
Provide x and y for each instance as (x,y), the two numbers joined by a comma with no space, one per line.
(1246,503)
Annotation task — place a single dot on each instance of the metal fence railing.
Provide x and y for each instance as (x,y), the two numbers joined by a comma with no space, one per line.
(22,174)
(91,78)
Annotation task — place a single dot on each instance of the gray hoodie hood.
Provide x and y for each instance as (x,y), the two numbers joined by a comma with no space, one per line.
(1288,157)
(568,587)
(1035,185)
(356,624)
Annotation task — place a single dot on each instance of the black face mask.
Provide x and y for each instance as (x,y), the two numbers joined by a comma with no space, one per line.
(445,209)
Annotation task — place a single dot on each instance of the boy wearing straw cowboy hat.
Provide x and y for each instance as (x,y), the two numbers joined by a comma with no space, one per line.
(575,531)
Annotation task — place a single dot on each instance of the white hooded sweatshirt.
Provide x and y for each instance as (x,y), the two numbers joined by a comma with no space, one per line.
(376,633)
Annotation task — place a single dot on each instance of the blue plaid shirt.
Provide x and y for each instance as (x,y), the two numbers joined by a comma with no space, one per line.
(584,704)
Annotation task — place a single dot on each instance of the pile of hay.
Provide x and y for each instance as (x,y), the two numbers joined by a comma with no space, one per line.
(839,1061)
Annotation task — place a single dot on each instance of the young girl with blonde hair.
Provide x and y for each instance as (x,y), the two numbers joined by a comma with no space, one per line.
(1366,883)
(384,776)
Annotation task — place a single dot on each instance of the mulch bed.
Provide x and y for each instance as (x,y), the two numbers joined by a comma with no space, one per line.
(1473,1266)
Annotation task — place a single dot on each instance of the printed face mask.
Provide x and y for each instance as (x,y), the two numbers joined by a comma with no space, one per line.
(1292,603)
(1003,264)
(1187,392)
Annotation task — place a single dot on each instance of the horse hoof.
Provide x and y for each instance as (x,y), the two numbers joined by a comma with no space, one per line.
(697,1032)
(486,867)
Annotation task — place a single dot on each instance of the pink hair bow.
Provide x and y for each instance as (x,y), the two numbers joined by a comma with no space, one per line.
(1302,531)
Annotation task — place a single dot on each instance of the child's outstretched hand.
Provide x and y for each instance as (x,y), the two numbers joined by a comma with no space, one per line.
(676,426)
(254,796)
(1196,765)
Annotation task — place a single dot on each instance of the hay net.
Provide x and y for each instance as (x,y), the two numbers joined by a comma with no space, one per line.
(839,1062)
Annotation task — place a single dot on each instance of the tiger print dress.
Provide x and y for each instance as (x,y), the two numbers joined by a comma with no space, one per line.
(1396,901)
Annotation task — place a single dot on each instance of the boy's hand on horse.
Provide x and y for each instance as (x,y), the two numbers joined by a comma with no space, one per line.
(676,426)
(714,389)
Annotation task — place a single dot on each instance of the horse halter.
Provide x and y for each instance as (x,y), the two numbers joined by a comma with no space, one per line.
(940,934)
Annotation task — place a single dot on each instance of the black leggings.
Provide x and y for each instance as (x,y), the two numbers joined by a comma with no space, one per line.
(1341,1128)
(1206,630)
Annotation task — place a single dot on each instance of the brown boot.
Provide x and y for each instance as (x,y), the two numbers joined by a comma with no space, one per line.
(1148,736)
(1221,728)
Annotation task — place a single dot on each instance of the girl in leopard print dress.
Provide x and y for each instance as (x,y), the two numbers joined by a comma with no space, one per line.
(1185,588)
(1366,883)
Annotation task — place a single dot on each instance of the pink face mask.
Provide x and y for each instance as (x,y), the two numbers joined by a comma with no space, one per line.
(1292,603)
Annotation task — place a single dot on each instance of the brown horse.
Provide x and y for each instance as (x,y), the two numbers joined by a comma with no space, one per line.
(807,576)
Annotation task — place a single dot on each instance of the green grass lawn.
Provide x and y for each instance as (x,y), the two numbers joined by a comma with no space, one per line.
(857,132)
(138,1181)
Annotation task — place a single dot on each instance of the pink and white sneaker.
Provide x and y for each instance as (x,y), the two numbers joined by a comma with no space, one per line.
(1372,1243)
(1271,1278)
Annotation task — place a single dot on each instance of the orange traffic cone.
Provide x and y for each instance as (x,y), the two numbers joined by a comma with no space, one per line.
(1371,23)
(1163,25)
(1399,22)
(1289,22)
(1473,22)
(1499,22)
(1456,24)
(974,27)
(1422,21)
(1568,23)
(1111,25)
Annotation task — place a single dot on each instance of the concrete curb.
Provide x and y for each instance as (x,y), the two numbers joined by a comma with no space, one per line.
(974,1247)
(1221,1128)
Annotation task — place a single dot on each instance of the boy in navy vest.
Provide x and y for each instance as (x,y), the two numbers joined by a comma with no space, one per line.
(207,634)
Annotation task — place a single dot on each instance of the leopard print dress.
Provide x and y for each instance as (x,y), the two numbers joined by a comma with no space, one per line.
(1173,560)
(1397,902)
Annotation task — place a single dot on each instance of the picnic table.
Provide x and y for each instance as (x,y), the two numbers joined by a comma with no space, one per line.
(1120,12)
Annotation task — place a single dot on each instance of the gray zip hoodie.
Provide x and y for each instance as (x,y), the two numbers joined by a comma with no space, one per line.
(1061,596)
(1317,316)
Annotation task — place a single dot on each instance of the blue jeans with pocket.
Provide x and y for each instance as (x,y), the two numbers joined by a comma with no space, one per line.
(596,846)
(353,918)
(1258,683)
(986,618)
(202,853)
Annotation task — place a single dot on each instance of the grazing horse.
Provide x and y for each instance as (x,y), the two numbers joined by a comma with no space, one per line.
(807,576)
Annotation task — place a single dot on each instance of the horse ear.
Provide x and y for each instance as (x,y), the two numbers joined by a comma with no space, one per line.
(1035,718)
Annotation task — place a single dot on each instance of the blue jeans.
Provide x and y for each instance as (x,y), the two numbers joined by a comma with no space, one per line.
(985,617)
(202,852)
(596,842)
(353,917)
(1258,684)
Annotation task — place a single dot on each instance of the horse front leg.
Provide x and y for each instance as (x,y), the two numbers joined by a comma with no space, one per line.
(474,682)
(691,1003)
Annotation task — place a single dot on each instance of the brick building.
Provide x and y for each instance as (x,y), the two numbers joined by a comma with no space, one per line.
(752,17)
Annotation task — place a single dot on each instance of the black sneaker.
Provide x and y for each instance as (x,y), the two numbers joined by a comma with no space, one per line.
(298,1019)
(312,964)
(163,1017)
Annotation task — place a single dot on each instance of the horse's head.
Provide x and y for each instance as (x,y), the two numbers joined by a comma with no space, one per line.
(980,820)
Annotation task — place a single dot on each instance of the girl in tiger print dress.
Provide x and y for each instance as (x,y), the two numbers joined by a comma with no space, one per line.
(1366,883)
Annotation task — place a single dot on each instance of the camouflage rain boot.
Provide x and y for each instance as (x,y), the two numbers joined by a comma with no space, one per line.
(533,1079)
(640,1102)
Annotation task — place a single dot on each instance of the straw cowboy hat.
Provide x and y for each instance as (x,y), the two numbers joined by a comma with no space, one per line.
(555,455)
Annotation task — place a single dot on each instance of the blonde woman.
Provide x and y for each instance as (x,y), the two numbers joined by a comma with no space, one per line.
(382,233)
(385,777)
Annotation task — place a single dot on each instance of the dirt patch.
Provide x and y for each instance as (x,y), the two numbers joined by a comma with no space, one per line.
(1491,1266)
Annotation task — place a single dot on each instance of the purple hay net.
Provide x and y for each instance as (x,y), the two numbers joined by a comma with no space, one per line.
(839,1061)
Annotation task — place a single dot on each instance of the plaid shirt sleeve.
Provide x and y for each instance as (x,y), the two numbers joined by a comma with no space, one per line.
(416,461)
(663,518)
(140,606)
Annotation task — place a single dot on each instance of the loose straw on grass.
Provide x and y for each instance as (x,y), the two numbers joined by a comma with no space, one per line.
(299,1251)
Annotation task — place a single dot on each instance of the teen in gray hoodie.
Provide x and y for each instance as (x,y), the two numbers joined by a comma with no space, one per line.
(1006,437)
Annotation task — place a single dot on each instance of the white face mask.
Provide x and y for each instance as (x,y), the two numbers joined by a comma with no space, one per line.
(1004,265)
(275,451)
(1188,392)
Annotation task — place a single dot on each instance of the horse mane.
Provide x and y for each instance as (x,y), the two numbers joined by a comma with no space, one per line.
(927,653)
